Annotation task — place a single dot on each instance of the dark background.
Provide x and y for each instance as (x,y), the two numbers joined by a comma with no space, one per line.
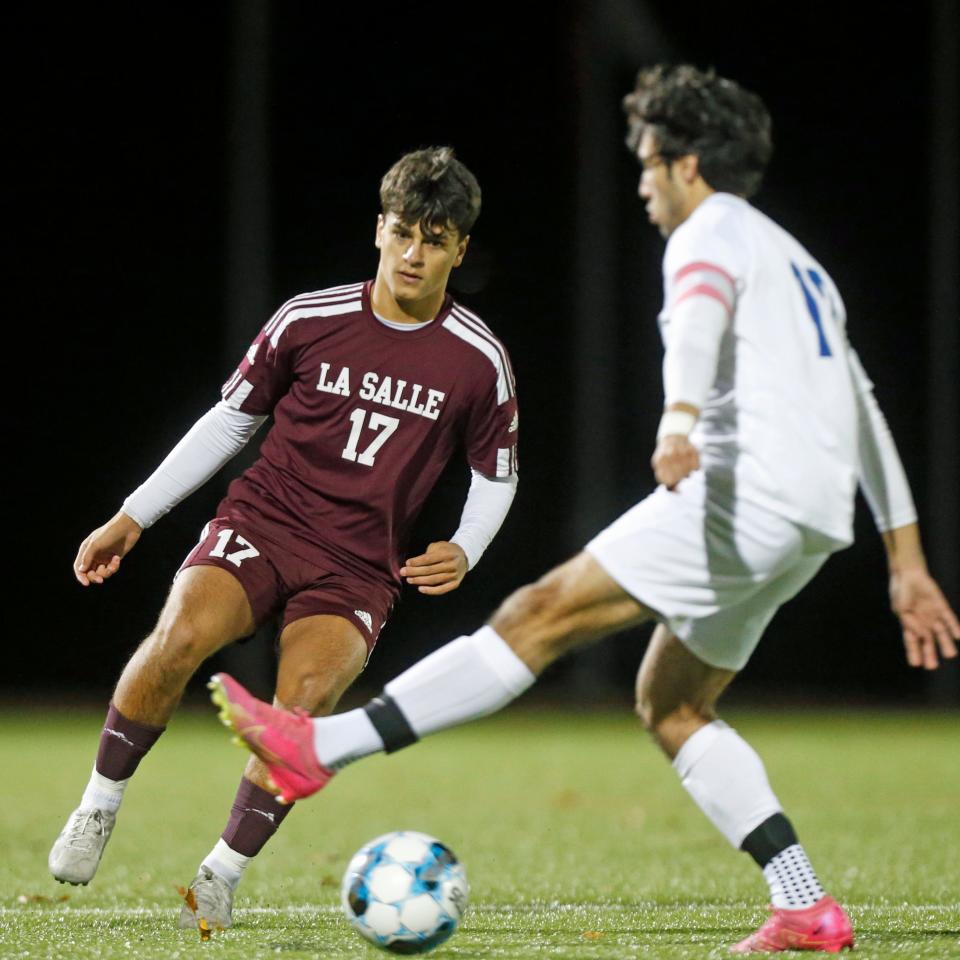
(176,173)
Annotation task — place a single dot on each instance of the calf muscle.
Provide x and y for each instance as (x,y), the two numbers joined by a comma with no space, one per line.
(574,604)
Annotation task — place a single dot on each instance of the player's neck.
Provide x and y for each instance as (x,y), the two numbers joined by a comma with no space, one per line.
(699,191)
(387,306)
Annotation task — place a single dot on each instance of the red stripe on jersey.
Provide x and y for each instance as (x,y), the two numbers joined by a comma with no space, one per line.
(705,290)
(704,265)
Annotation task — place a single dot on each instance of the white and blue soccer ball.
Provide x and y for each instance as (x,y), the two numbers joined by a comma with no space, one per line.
(404,892)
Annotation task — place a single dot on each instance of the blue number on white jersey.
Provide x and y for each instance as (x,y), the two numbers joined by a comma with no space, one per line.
(812,304)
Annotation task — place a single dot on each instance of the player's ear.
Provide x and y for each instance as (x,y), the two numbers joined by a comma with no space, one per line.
(461,250)
(378,236)
(689,167)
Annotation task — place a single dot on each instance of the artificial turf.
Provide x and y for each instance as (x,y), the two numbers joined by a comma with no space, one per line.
(577,838)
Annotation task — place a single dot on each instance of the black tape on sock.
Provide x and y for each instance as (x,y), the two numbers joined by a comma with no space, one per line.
(773,836)
(388,720)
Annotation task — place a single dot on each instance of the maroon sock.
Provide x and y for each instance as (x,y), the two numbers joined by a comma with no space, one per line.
(123,744)
(255,817)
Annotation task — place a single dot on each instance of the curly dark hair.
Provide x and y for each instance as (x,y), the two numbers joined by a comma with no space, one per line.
(695,111)
(433,188)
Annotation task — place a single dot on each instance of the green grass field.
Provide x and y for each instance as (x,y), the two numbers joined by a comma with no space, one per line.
(578,840)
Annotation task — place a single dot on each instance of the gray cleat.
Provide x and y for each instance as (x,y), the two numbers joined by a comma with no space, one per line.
(214,902)
(76,854)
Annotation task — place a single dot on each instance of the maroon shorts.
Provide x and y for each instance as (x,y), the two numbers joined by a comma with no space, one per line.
(278,583)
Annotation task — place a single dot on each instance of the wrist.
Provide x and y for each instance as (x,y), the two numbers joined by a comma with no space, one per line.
(676,423)
(129,521)
(904,550)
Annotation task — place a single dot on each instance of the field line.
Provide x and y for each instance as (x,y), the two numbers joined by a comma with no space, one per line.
(62,909)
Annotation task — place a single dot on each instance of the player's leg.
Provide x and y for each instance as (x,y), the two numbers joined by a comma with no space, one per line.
(468,678)
(677,694)
(206,609)
(320,657)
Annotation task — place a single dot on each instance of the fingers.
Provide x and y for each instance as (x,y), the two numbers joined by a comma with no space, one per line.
(97,572)
(911,643)
(436,576)
(950,621)
(438,591)
(946,642)
(922,642)
(438,571)
(674,459)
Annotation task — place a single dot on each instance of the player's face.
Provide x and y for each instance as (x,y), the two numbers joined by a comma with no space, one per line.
(415,266)
(664,192)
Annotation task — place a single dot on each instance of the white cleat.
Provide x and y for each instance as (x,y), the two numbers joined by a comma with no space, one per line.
(214,900)
(76,854)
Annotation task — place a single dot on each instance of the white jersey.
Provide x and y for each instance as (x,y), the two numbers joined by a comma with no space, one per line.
(780,420)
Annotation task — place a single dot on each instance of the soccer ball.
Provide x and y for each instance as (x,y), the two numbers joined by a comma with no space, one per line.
(405,892)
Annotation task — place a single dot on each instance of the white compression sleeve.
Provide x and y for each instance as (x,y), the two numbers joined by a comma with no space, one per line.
(486,507)
(215,438)
(882,476)
(726,778)
(468,678)
(696,328)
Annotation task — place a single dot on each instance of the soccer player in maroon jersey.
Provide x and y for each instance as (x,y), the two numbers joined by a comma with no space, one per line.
(372,387)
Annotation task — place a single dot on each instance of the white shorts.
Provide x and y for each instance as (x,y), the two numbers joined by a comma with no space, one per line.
(712,567)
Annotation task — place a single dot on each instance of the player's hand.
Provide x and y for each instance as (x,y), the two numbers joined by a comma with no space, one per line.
(929,624)
(100,554)
(439,570)
(675,458)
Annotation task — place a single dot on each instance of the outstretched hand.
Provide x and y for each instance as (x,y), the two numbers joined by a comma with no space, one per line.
(929,624)
(439,570)
(100,554)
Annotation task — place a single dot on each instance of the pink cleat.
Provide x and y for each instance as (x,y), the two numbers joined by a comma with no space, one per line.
(282,740)
(824,926)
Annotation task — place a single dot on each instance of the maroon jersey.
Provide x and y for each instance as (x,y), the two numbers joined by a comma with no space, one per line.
(365,419)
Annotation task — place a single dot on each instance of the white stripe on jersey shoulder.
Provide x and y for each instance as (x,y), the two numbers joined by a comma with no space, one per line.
(235,378)
(475,332)
(318,298)
(236,399)
(475,323)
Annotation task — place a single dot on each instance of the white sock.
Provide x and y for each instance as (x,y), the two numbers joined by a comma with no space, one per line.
(466,679)
(726,779)
(102,793)
(344,737)
(226,863)
(793,884)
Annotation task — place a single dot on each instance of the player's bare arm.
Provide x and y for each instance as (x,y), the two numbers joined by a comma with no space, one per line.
(675,456)
(100,554)
(930,627)
(439,570)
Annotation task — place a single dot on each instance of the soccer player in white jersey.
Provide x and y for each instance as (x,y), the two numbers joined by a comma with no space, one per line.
(769,422)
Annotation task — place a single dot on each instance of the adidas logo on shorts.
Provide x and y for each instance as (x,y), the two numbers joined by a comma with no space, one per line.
(366,618)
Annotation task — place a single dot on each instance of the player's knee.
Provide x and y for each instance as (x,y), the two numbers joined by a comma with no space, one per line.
(180,645)
(651,714)
(313,692)
(528,608)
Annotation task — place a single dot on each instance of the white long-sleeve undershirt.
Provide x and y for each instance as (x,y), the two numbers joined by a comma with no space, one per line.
(218,436)
(486,507)
(696,329)
(222,432)
(882,477)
